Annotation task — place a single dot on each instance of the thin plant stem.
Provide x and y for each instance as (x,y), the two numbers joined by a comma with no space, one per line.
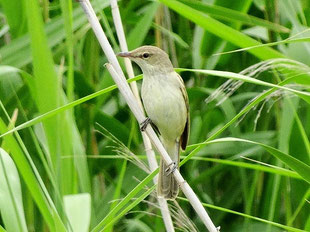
(120,80)
(187,190)
(147,143)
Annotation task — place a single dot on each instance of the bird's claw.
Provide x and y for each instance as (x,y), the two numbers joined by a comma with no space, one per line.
(144,124)
(171,168)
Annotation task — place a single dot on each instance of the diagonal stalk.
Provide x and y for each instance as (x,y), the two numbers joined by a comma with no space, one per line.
(147,143)
(120,80)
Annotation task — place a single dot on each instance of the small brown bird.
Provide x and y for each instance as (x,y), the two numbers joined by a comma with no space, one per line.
(166,103)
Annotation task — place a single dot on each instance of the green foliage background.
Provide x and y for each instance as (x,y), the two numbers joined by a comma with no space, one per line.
(71,152)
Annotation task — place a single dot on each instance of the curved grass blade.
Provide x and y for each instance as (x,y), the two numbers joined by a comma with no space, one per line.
(132,205)
(252,104)
(77,207)
(138,34)
(2,229)
(298,166)
(39,195)
(110,217)
(237,76)
(110,88)
(49,95)
(18,52)
(117,191)
(288,228)
(286,41)
(46,85)
(178,39)
(11,204)
(263,168)
(66,7)
(63,108)
(221,30)
(234,16)
(15,16)
(274,170)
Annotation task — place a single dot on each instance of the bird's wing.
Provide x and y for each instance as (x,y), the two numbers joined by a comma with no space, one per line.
(185,134)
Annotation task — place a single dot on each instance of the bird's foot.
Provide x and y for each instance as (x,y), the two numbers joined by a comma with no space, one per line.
(171,168)
(144,124)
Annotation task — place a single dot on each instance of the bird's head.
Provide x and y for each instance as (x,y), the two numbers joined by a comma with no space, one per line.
(150,59)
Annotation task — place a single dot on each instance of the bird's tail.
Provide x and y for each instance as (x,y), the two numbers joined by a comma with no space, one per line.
(168,187)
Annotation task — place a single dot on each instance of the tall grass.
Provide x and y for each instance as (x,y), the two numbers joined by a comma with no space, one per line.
(249,153)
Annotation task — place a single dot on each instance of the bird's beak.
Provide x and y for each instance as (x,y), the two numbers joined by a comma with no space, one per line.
(124,54)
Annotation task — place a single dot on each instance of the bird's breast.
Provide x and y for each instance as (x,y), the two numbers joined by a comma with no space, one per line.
(164,104)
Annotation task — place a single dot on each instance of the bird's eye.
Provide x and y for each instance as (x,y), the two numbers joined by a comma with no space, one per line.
(146,55)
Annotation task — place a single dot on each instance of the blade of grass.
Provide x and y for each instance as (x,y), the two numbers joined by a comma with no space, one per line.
(109,218)
(236,76)
(301,128)
(11,205)
(264,168)
(286,41)
(64,108)
(303,201)
(253,103)
(172,35)
(234,16)
(66,6)
(132,205)
(298,166)
(221,30)
(274,170)
(26,171)
(108,89)
(15,15)
(117,193)
(2,229)
(77,207)
(47,89)
(18,53)
(142,27)
(59,226)
(48,95)
(288,228)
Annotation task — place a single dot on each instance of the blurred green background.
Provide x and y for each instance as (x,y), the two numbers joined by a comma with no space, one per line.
(75,151)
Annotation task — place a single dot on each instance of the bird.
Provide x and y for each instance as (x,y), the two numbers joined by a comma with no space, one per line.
(166,104)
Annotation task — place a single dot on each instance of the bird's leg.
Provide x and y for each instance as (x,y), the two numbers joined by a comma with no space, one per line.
(171,168)
(144,124)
